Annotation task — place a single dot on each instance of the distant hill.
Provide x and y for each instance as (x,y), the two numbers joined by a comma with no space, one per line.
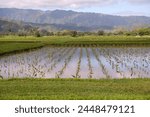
(6,26)
(61,19)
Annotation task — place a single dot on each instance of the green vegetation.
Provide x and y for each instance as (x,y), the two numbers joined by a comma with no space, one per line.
(15,43)
(15,47)
(75,89)
(139,31)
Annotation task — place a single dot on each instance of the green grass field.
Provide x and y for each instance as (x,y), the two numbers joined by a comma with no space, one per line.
(15,47)
(15,43)
(75,89)
(80,39)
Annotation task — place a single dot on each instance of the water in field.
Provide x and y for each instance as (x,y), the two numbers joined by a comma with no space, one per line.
(78,62)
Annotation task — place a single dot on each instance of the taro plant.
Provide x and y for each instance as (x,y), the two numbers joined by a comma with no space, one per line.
(89,64)
(79,65)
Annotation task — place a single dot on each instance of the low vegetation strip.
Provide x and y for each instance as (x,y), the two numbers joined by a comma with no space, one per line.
(15,47)
(76,89)
(81,39)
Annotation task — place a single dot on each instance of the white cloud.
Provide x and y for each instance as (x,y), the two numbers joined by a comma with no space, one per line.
(139,1)
(72,4)
(54,3)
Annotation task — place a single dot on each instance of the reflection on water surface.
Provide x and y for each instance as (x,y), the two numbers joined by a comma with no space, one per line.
(78,62)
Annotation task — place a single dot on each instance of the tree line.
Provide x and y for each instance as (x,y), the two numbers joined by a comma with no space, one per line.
(42,32)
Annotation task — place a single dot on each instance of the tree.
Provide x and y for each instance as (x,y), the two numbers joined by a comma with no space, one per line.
(144,31)
(37,34)
(67,32)
(100,32)
(44,32)
(73,33)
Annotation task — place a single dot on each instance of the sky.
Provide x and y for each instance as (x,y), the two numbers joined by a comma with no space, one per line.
(112,7)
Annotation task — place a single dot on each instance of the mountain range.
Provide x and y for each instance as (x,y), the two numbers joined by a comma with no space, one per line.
(71,20)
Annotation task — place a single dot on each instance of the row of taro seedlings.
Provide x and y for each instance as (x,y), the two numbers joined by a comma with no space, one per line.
(66,62)
(79,65)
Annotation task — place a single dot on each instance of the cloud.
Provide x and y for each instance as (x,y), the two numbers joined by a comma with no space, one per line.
(54,3)
(69,4)
(138,1)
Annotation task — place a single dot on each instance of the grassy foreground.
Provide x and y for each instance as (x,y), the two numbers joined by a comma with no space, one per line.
(75,89)
(16,43)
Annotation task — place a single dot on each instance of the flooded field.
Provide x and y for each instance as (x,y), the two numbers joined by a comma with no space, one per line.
(78,62)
